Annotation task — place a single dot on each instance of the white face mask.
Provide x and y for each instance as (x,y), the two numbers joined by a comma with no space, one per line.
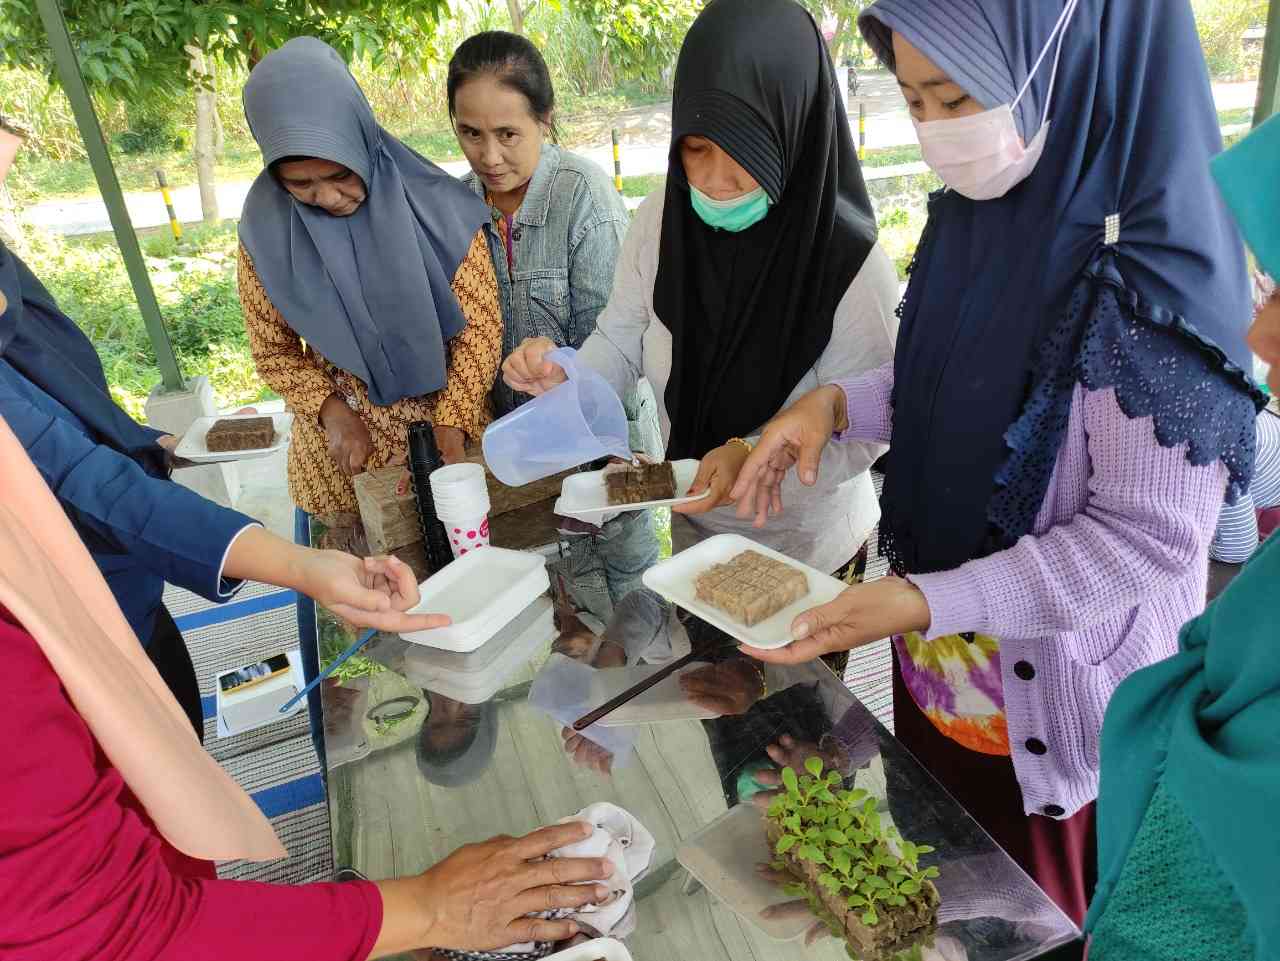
(981,156)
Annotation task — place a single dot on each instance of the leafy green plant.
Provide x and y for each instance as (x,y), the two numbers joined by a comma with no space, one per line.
(862,861)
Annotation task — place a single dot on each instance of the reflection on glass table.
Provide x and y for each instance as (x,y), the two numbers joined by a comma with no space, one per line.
(477,757)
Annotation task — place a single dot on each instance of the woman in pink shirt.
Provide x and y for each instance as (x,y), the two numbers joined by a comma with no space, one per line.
(111,815)
(1067,407)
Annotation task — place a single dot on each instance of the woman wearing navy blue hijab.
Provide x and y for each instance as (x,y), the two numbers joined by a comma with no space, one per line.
(111,476)
(1067,408)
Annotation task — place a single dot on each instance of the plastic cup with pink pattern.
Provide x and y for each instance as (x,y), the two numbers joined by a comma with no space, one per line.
(461,498)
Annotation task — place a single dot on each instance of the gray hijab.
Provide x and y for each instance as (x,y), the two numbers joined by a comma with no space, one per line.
(370,292)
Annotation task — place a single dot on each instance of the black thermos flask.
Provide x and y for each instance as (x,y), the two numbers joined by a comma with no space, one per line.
(424,457)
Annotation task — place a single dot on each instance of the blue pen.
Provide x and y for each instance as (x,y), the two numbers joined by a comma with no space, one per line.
(364,639)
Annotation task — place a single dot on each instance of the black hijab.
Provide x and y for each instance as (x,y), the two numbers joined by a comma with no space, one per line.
(46,347)
(750,313)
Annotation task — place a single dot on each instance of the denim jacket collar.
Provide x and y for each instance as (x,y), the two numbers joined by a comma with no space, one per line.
(537,199)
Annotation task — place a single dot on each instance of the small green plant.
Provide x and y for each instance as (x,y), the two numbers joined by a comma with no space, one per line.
(858,859)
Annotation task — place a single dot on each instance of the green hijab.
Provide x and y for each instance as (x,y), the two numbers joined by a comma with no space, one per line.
(1205,724)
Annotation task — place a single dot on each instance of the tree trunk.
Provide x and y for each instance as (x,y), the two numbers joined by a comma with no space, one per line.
(517,16)
(206,134)
(219,135)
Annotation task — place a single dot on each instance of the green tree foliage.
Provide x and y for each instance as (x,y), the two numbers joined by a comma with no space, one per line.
(137,48)
(640,39)
(1222,24)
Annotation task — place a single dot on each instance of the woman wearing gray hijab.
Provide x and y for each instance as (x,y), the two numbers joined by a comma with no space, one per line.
(366,282)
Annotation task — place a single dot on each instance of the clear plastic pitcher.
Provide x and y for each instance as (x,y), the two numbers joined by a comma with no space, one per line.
(575,423)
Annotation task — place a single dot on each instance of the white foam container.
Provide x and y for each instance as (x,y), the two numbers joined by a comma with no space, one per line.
(584,495)
(476,677)
(194,448)
(675,580)
(482,592)
(723,857)
(606,948)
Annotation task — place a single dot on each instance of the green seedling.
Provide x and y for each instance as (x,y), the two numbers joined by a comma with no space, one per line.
(870,866)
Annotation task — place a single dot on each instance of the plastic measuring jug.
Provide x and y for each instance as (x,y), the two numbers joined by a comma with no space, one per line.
(575,423)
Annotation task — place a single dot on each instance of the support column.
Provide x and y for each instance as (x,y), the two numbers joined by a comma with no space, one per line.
(100,160)
(1268,89)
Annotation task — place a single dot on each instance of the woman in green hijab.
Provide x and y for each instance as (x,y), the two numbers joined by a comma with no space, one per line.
(1189,804)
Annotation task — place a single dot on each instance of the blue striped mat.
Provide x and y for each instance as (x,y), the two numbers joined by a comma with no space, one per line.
(276,765)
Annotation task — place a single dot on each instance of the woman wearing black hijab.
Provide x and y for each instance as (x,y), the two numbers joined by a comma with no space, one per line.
(752,277)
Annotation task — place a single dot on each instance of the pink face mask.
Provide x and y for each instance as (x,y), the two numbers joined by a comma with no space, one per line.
(982,157)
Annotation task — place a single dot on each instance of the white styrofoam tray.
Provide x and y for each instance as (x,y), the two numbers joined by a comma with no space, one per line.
(724,855)
(482,592)
(674,580)
(513,647)
(663,702)
(606,948)
(584,495)
(192,447)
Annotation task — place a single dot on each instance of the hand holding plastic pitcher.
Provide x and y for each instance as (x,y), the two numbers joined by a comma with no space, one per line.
(578,420)
(528,370)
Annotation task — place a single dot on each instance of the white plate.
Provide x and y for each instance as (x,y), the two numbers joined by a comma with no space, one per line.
(192,446)
(584,494)
(606,948)
(674,580)
(660,704)
(482,592)
(723,857)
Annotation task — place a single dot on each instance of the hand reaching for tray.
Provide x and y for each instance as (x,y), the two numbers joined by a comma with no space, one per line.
(795,438)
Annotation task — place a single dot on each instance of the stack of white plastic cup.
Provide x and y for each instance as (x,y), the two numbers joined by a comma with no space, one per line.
(462,504)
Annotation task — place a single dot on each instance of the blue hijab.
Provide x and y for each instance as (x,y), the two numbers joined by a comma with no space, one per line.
(45,346)
(1114,265)
(370,292)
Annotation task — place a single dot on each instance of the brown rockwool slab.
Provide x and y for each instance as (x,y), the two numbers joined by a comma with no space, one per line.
(751,588)
(240,433)
(639,485)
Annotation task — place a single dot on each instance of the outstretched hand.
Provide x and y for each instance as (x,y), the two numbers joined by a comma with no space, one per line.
(367,592)
(795,439)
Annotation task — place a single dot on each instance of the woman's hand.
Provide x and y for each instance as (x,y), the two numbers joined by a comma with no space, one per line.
(796,437)
(367,592)
(527,369)
(452,443)
(349,442)
(728,688)
(480,897)
(717,474)
(862,614)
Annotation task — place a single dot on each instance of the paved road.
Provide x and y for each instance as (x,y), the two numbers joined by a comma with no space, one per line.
(646,136)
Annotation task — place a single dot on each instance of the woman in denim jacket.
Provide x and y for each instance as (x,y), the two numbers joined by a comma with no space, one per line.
(557,226)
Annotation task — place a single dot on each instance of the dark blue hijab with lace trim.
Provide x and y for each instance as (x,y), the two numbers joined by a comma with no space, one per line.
(1014,301)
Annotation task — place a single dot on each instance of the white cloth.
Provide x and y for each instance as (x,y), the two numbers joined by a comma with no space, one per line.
(825,525)
(629,846)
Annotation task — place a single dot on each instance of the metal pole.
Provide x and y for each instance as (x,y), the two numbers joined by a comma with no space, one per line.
(87,120)
(862,130)
(174,224)
(1268,90)
(617,160)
